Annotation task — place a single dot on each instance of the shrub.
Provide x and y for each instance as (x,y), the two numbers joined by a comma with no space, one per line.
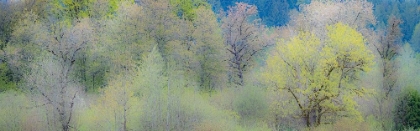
(408,110)
(251,104)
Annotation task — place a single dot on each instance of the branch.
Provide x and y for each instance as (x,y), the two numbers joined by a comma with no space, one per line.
(297,100)
(230,51)
(71,109)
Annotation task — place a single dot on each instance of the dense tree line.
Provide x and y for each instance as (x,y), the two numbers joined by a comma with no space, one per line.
(209,65)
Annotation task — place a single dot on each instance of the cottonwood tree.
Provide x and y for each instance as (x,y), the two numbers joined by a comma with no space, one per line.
(123,37)
(187,36)
(61,44)
(11,12)
(198,50)
(121,99)
(118,106)
(59,104)
(208,49)
(242,41)
(386,45)
(166,94)
(388,48)
(117,30)
(319,74)
(161,25)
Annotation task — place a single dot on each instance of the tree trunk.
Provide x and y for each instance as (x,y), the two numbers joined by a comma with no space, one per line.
(307,118)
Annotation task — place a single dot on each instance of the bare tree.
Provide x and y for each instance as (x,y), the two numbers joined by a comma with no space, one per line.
(59,45)
(388,47)
(242,39)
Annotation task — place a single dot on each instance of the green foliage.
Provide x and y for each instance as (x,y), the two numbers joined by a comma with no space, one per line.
(317,74)
(344,124)
(6,82)
(117,108)
(19,112)
(186,8)
(12,115)
(91,70)
(70,9)
(171,102)
(251,104)
(208,51)
(164,65)
(113,7)
(157,99)
(407,114)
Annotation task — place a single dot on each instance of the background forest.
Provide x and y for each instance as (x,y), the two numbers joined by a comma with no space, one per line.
(209,65)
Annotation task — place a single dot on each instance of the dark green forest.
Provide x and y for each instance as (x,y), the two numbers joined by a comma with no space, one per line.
(209,65)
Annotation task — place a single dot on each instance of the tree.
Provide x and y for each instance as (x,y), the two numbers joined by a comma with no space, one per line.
(152,72)
(118,34)
(191,40)
(120,101)
(242,39)
(408,110)
(161,25)
(388,49)
(320,74)
(200,52)
(123,37)
(58,102)
(11,12)
(207,48)
(60,47)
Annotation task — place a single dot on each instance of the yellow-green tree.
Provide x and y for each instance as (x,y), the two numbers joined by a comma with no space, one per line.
(117,108)
(69,9)
(320,74)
